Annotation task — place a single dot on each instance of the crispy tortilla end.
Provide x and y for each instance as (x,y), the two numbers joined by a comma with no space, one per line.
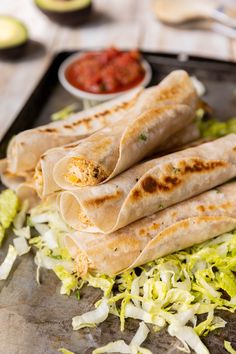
(81,172)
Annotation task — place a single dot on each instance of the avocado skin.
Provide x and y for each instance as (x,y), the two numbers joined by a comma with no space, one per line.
(69,18)
(14,52)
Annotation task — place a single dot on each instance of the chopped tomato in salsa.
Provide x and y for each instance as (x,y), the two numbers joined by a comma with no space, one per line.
(107,71)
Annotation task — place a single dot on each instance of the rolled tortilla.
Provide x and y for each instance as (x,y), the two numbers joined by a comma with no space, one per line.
(26,148)
(160,113)
(23,186)
(45,183)
(43,177)
(150,187)
(178,227)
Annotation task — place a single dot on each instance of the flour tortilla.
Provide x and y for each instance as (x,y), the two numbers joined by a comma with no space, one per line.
(26,148)
(45,183)
(150,187)
(160,113)
(178,227)
(23,185)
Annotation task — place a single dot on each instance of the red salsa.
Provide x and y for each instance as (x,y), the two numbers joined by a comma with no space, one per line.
(106,71)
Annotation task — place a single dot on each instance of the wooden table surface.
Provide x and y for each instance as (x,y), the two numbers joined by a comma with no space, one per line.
(124,23)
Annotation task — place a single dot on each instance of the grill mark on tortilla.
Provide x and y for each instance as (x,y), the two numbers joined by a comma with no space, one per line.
(226,205)
(155,226)
(167,183)
(48,130)
(101,200)
(149,184)
(142,232)
(87,121)
(201,208)
(213,207)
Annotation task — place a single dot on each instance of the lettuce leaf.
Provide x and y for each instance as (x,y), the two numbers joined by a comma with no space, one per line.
(133,348)
(65,351)
(9,205)
(21,246)
(2,234)
(64,112)
(229,347)
(8,262)
(69,281)
(92,318)
(216,129)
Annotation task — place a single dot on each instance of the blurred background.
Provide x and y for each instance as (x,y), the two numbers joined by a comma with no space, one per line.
(152,25)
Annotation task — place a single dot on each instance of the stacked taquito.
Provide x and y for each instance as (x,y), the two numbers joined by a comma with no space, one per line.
(180,226)
(155,108)
(155,194)
(26,148)
(127,208)
(126,212)
(161,117)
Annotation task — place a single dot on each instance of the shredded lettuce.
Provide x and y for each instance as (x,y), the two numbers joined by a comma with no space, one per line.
(141,335)
(65,351)
(9,205)
(23,232)
(104,283)
(69,281)
(172,291)
(21,246)
(168,292)
(133,348)
(52,253)
(21,216)
(37,242)
(2,234)
(215,129)
(64,112)
(92,318)
(229,347)
(44,261)
(188,337)
(8,262)
(118,346)
(50,239)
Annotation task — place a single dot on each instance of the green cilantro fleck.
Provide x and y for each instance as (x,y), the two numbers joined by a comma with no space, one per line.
(143,137)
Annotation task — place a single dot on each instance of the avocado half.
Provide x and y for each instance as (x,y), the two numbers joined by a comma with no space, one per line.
(66,12)
(13,36)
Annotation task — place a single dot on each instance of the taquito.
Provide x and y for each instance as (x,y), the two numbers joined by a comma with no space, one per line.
(149,187)
(25,148)
(159,114)
(45,183)
(178,227)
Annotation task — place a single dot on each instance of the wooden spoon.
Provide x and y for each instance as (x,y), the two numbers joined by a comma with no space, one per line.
(181,11)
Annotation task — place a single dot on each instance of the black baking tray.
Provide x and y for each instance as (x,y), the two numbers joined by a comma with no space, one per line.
(49,96)
(38,317)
